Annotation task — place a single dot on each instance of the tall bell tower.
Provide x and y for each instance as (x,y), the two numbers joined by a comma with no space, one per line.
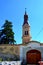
(25,29)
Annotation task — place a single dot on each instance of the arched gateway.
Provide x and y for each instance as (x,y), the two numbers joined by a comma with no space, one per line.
(33,56)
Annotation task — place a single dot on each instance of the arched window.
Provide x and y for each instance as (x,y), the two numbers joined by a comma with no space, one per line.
(26,32)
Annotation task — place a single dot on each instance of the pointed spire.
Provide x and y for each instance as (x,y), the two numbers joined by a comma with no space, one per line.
(25,18)
(25,11)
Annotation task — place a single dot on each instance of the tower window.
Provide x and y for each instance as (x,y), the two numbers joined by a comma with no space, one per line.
(26,32)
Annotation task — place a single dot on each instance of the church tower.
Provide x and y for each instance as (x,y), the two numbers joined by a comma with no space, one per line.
(25,29)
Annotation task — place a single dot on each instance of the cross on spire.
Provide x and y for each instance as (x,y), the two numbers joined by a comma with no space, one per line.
(25,11)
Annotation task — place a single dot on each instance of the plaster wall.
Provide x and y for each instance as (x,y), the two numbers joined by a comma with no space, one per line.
(31,46)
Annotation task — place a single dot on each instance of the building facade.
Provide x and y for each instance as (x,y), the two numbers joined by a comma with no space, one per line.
(31,51)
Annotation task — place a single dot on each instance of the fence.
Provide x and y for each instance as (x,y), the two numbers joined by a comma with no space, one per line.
(10,63)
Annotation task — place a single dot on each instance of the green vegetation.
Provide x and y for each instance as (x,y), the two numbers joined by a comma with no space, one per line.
(15,58)
(1,59)
(7,34)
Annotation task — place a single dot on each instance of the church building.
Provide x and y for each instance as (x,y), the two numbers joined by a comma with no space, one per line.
(31,51)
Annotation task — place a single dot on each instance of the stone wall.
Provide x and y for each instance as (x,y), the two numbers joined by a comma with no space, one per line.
(13,49)
(9,50)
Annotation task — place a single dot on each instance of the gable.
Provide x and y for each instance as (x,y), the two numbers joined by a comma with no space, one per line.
(33,44)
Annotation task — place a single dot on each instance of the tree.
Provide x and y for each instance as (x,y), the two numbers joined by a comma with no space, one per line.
(7,34)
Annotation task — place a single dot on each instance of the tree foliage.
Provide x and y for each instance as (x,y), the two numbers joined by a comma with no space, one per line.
(6,33)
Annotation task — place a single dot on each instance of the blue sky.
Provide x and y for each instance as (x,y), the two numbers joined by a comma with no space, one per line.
(13,10)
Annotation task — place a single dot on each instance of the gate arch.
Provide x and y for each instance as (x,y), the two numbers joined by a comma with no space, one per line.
(33,56)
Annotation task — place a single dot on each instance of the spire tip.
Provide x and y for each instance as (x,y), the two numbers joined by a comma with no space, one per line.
(25,11)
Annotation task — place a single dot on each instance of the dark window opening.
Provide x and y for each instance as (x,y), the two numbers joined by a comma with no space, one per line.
(26,32)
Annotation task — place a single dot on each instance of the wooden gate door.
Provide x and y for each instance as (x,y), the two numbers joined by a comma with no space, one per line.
(33,56)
